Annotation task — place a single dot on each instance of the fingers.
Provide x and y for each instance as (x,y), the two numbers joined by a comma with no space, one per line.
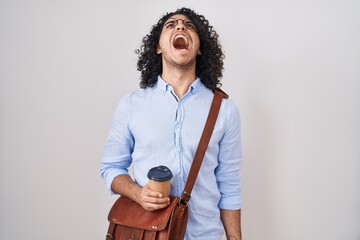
(151,200)
(148,192)
(152,207)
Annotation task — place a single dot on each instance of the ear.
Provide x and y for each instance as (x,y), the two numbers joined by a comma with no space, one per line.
(158,50)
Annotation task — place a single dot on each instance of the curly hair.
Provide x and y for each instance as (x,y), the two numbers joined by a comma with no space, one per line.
(209,65)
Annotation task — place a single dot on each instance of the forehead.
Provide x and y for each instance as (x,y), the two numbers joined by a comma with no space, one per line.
(177,16)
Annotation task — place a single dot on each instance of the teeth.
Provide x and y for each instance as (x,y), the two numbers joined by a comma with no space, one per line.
(182,36)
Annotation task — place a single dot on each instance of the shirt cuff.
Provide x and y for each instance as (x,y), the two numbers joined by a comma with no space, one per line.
(233,202)
(109,178)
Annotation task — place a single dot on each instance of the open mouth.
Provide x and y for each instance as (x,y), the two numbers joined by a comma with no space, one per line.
(180,42)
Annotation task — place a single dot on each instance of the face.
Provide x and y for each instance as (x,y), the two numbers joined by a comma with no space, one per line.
(179,42)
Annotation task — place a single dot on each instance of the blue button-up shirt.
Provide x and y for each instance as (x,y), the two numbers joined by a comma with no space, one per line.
(152,127)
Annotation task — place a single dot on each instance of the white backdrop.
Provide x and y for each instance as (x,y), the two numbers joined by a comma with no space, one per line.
(293,68)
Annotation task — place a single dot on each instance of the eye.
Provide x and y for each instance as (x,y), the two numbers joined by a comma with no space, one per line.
(170,24)
(189,25)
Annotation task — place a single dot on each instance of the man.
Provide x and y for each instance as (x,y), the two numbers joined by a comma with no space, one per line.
(181,62)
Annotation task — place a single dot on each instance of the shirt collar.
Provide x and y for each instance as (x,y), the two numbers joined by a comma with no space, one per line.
(164,86)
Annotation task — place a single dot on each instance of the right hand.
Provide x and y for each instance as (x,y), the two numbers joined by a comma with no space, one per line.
(151,200)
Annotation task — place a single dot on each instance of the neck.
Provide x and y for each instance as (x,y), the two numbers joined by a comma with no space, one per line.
(179,79)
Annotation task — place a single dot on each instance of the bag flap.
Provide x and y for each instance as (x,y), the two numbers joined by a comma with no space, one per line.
(131,214)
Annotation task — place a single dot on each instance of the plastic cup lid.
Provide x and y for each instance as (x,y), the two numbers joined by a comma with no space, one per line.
(160,174)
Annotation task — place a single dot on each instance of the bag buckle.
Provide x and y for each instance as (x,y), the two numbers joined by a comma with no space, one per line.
(109,237)
(183,202)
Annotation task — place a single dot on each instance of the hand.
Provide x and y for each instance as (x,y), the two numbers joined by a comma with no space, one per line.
(232,237)
(151,200)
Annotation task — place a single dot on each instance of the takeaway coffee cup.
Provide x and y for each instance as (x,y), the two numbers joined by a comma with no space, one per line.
(160,179)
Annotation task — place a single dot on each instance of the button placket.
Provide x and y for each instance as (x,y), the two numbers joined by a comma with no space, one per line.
(178,151)
(178,141)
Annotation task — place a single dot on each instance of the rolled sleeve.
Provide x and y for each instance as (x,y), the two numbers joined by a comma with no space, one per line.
(118,147)
(230,159)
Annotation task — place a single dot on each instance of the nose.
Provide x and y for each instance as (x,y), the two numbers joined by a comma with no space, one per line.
(180,25)
(182,28)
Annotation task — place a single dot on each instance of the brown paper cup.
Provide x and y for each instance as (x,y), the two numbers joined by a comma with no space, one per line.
(160,180)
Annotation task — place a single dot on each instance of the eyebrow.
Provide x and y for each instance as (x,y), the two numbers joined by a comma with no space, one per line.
(174,19)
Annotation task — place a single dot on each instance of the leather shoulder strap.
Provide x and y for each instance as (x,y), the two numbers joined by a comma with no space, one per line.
(203,143)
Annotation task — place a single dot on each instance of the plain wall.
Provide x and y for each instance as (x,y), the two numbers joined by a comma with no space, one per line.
(293,68)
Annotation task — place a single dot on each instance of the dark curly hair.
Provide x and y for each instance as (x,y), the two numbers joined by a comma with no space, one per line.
(209,65)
